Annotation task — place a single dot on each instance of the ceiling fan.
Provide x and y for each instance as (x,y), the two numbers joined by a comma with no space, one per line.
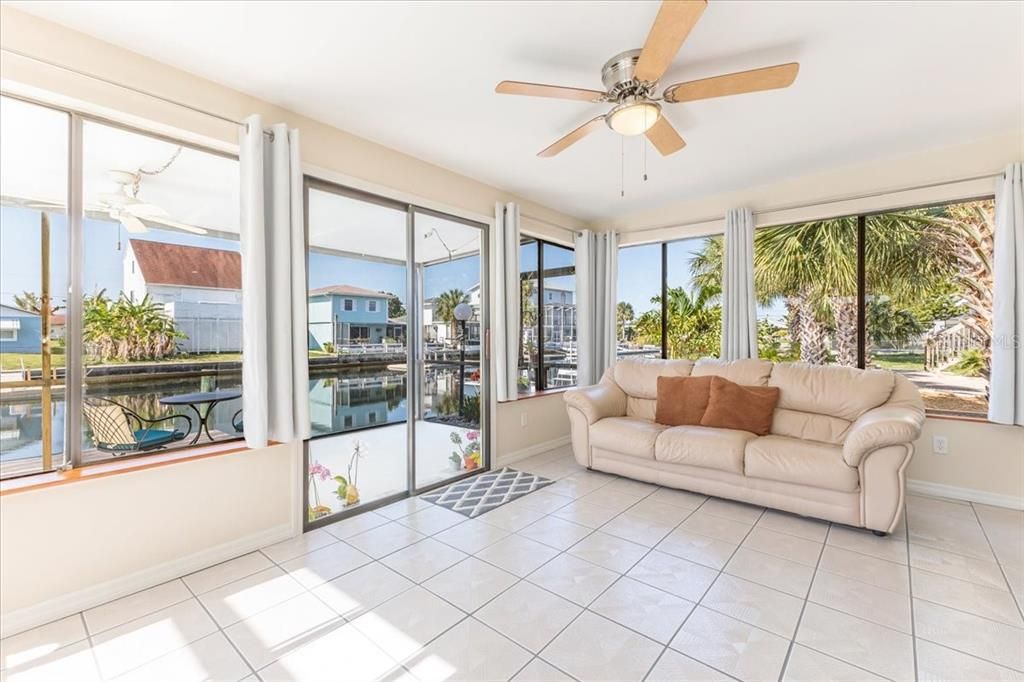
(631,81)
(130,211)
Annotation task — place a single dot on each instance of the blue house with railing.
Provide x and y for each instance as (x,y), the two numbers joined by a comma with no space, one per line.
(342,314)
(20,331)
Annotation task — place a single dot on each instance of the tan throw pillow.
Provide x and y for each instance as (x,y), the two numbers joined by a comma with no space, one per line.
(746,408)
(682,400)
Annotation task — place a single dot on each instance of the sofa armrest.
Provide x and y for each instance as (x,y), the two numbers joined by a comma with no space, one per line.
(596,402)
(883,426)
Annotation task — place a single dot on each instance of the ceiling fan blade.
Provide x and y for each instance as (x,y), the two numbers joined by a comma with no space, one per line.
(130,222)
(767,78)
(164,222)
(554,91)
(573,137)
(664,137)
(675,20)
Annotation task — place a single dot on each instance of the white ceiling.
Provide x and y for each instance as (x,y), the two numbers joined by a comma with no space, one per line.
(877,79)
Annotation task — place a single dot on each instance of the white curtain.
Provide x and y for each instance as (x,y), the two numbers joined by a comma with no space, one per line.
(275,376)
(739,314)
(506,300)
(1006,402)
(597,258)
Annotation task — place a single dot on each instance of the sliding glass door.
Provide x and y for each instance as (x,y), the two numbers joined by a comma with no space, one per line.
(397,323)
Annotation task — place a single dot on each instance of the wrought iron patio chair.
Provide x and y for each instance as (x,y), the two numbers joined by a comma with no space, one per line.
(112,428)
(236,422)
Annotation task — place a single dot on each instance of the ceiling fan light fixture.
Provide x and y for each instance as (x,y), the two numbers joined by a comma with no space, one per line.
(634,118)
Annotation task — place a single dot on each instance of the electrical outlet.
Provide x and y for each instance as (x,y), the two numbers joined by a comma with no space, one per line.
(522,419)
(940,445)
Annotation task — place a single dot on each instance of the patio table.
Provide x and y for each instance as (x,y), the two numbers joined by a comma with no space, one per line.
(196,400)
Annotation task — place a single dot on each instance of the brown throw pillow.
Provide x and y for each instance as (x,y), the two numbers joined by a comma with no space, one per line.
(746,408)
(682,400)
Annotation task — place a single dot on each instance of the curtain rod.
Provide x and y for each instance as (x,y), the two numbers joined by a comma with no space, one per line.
(792,207)
(548,223)
(130,88)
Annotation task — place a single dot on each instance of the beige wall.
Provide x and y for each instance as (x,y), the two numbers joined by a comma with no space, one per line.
(525,425)
(824,194)
(73,546)
(985,458)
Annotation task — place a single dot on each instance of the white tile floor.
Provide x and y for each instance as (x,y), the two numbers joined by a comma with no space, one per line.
(594,578)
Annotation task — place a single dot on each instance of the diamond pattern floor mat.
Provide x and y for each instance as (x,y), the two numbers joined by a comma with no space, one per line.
(480,494)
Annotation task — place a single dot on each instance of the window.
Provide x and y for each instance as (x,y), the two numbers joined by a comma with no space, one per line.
(156,327)
(919,301)
(371,306)
(33,286)
(805,280)
(928,301)
(169,269)
(350,305)
(547,357)
(670,299)
(693,310)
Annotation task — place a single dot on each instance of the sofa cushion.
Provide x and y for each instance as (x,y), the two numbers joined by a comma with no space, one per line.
(747,408)
(627,435)
(682,400)
(808,426)
(744,372)
(638,377)
(805,462)
(843,392)
(703,446)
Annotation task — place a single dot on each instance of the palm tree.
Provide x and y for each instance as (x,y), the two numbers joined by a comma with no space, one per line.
(693,324)
(445,307)
(29,302)
(812,267)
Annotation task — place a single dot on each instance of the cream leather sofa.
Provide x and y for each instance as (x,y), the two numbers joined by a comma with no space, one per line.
(838,449)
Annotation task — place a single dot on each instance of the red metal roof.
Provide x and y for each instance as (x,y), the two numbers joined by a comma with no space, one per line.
(188,266)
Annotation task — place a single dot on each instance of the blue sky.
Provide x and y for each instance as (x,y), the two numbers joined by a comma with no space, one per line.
(640,275)
(639,266)
(20,260)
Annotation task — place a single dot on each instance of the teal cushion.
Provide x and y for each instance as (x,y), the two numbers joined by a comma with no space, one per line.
(154,437)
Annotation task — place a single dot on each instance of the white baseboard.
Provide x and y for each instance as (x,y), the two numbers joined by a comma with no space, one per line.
(515,456)
(966,494)
(67,604)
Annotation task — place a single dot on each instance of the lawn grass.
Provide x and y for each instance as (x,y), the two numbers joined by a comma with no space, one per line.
(17,361)
(898,361)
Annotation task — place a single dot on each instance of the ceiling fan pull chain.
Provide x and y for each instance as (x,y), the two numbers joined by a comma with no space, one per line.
(643,144)
(622,167)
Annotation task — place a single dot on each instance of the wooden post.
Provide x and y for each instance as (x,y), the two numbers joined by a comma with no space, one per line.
(44,331)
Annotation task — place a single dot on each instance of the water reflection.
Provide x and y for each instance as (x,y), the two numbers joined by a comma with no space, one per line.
(341,399)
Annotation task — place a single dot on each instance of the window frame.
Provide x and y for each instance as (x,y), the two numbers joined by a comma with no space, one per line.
(540,371)
(861,274)
(74,211)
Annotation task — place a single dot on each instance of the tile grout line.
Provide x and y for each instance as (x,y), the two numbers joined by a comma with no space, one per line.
(803,606)
(999,563)
(910,586)
(697,603)
(586,609)
(230,642)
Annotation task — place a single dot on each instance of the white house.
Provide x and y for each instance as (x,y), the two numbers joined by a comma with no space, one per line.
(200,288)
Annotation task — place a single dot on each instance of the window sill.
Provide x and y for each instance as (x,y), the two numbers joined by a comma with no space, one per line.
(977,419)
(538,394)
(120,466)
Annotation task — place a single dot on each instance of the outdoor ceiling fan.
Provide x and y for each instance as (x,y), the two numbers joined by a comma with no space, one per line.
(631,81)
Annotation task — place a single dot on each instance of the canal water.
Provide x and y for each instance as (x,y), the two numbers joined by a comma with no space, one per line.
(342,399)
